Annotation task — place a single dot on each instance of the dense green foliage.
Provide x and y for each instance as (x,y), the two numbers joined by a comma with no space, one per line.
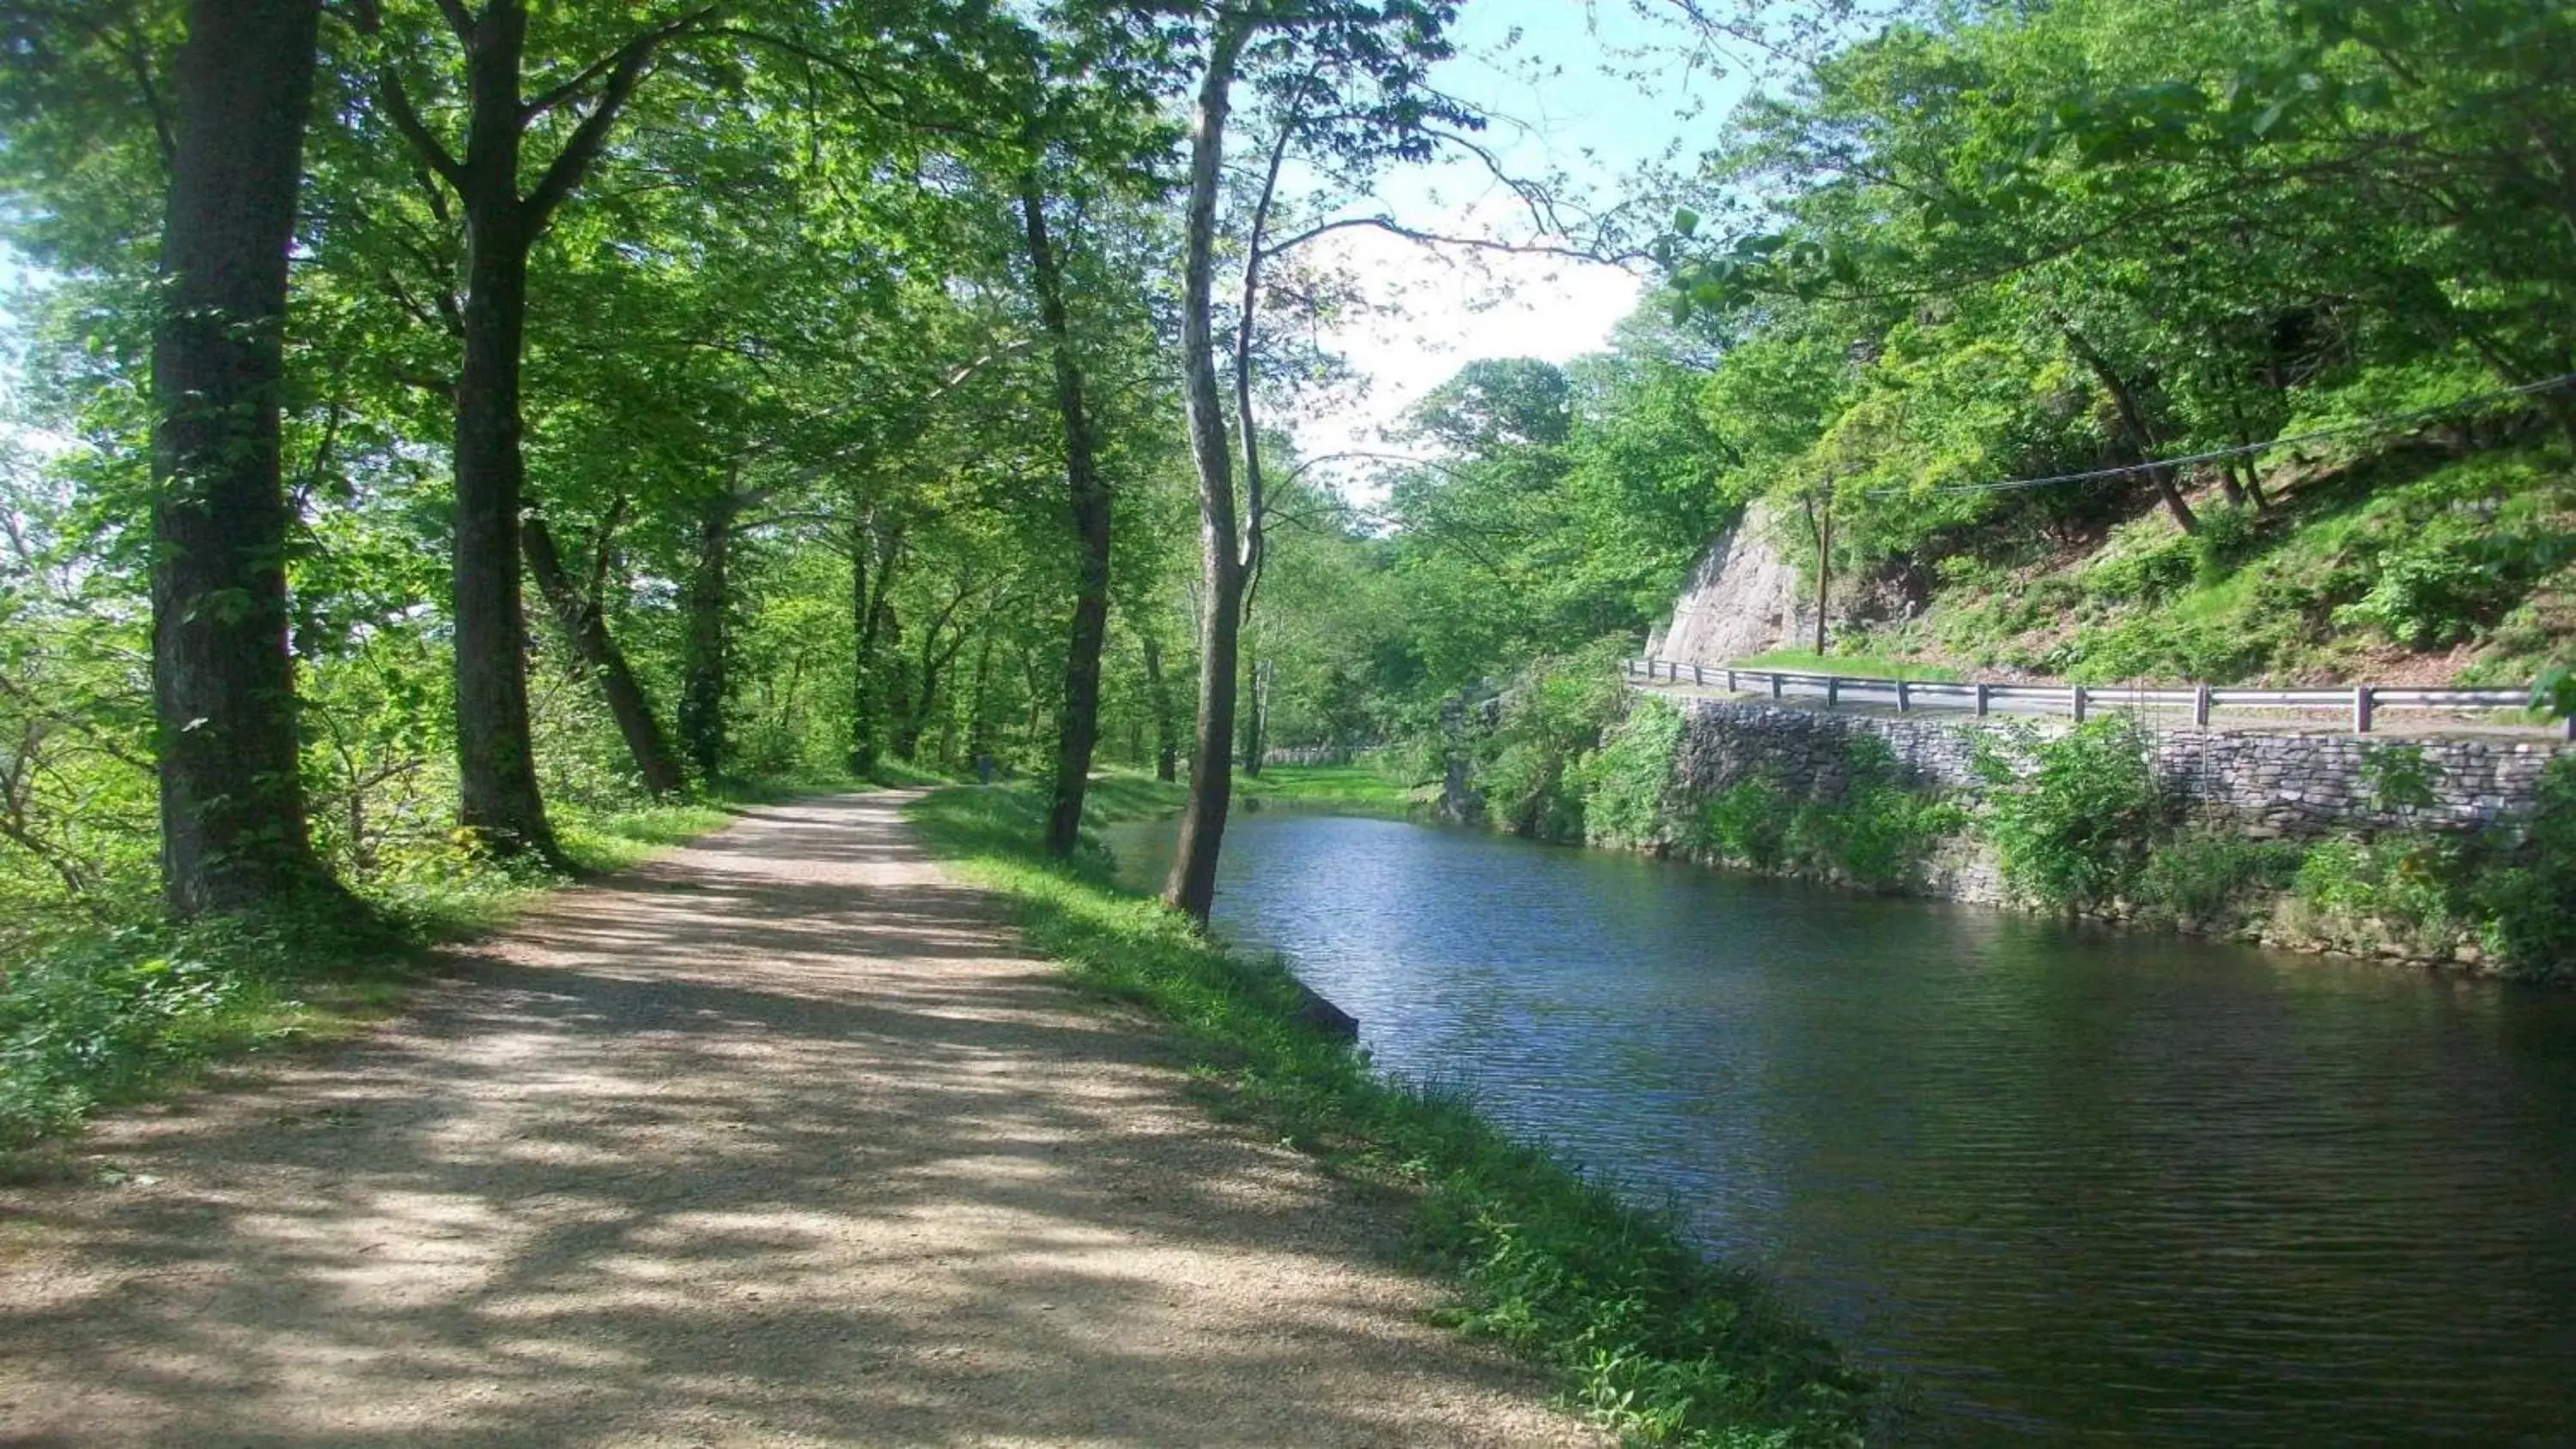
(2073,816)
(1876,833)
(1649,1338)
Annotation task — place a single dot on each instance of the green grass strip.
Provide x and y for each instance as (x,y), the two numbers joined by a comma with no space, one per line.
(1647,1337)
(1850,666)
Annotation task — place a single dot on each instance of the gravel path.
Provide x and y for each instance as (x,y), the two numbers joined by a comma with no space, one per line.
(780,1140)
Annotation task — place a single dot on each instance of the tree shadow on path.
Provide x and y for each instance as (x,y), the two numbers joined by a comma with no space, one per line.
(778,1140)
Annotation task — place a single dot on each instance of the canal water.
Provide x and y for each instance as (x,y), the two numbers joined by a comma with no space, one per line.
(2064,1185)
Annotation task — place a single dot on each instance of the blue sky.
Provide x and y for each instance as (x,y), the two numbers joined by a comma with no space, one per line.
(1591,90)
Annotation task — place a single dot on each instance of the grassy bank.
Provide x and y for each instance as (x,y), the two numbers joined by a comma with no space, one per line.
(1358,789)
(1646,1336)
(1849,666)
(126,1007)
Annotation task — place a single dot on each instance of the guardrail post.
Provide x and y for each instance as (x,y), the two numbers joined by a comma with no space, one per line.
(1904,697)
(1833,690)
(2079,693)
(1775,684)
(2200,705)
(2361,709)
(1730,681)
(1699,676)
(1981,701)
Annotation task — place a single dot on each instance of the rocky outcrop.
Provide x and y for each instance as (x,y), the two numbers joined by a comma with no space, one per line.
(1742,597)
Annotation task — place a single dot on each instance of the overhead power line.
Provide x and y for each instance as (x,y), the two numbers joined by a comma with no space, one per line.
(2369,425)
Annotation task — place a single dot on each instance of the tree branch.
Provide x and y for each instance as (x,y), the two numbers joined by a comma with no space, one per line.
(626,68)
(438,158)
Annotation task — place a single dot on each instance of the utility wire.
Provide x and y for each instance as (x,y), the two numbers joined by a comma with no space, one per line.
(2371,425)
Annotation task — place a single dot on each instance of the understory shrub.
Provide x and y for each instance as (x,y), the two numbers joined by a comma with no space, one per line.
(1877,833)
(1747,823)
(2210,876)
(1625,781)
(101,1016)
(2530,903)
(1529,768)
(2407,889)
(2074,817)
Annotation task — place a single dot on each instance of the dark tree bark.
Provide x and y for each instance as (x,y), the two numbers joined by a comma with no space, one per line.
(936,656)
(705,642)
(1256,721)
(1078,725)
(2133,421)
(497,777)
(233,830)
(870,613)
(496,751)
(579,614)
(1191,886)
(1158,690)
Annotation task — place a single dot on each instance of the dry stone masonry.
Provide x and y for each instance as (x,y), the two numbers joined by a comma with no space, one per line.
(2284,783)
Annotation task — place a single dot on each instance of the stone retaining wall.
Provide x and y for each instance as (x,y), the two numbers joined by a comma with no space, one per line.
(2284,783)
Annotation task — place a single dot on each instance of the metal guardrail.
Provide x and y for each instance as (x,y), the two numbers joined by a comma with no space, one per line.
(2360,703)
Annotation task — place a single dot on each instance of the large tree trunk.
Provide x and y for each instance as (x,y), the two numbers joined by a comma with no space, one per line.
(497,765)
(579,614)
(233,828)
(1191,887)
(704,643)
(497,792)
(1158,691)
(1078,726)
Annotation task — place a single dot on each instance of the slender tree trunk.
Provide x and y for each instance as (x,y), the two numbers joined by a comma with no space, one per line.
(578,613)
(1191,887)
(1256,720)
(868,618)
(1158,690)
(1078,726)
(979,724)
(705,643)
(233,830)
(2254,488)
(2133,421)
(1820,519)
(916,717)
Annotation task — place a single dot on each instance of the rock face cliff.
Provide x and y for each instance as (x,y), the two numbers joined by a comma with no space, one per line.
(1742,598)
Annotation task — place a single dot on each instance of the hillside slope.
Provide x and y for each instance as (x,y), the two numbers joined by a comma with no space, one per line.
(2419,564)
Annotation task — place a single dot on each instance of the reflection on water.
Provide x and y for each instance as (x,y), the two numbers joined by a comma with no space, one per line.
(2070,1184)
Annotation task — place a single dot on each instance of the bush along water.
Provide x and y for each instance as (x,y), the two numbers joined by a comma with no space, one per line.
(1878,834)
(2080,825)
(2074,822)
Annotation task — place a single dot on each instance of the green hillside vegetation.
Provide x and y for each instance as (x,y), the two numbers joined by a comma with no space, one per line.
(1996,244)
(2402,567)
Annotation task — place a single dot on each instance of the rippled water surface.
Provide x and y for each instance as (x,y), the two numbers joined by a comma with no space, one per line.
(2071,1185)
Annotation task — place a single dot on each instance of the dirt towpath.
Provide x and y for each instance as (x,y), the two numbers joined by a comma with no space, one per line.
(780,1140)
